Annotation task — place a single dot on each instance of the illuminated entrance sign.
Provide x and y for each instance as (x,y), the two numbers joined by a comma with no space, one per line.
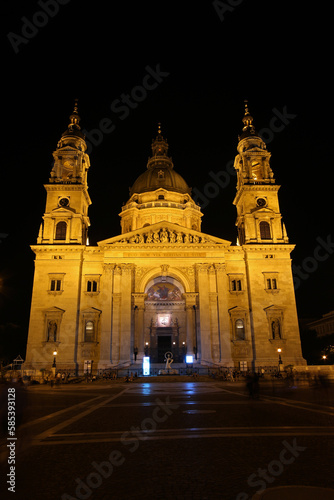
(146,365)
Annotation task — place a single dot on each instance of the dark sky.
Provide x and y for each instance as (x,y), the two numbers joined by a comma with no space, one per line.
(275,54)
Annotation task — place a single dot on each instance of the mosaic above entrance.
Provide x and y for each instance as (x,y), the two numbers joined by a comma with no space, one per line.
(164,291)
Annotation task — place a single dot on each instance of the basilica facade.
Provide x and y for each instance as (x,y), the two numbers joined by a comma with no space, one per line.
(162,285)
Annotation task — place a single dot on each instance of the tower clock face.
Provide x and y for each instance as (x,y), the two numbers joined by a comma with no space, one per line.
(261,202)
(64,202)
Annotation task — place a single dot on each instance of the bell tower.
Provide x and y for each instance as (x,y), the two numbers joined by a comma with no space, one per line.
(65,220)
(258,214)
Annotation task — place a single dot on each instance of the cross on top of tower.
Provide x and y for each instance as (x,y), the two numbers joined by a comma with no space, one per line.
(74,117)
(248,119)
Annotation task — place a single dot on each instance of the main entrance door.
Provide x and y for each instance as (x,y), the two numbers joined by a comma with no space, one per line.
(164,345)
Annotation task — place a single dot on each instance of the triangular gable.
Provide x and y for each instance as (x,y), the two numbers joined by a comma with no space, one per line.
(91,310)
(164,233)
(54,310)
(263,210)
(64,209)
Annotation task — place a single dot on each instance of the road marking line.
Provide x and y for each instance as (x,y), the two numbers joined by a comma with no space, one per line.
(284,402)
(49,432)
(57,413)
(190,433)
(186,402)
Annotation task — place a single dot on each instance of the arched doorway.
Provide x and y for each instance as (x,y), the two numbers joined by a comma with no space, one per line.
(165,319)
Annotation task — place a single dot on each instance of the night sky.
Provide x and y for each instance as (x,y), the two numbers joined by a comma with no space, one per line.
(209,57)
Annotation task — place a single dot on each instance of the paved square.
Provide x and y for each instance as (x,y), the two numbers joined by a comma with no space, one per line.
(179,440)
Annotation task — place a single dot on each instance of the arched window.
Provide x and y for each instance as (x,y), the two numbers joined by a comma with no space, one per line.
(89,331)
(61,230)
(256,170)
(265,230)
(239,330)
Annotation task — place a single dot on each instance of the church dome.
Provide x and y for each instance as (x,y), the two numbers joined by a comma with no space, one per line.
(162,177)
(160,172)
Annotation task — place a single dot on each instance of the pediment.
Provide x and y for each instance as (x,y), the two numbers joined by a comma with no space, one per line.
(164,233)
(91,310)
(64,210)
(263,210)
(237,310)
(256,149)
(54,309)
(65,149)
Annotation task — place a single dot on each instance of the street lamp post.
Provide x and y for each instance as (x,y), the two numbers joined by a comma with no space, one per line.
(280,362)
(54,364)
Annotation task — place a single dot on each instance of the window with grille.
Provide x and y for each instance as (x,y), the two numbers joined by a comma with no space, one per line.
(236,285)
(91,286)
(271,284)
(55,285)
(61,230)
(265,230)
(271,281)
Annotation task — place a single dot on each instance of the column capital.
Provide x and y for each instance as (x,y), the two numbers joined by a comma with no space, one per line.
(190,299)
(203,268)
(139,299)
(220,267)
(108,267)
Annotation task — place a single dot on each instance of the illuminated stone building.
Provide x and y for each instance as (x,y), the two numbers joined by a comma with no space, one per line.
(162,284)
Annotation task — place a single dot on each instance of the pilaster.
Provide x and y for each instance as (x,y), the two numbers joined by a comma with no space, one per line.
(223,321)
(190,306)
(139,308)
(106,317)
(204,334)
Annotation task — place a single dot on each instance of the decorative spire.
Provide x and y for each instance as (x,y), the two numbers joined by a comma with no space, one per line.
(248,129)
(73,131)
(248,120)
(159,156)
(74,117)
(159,144)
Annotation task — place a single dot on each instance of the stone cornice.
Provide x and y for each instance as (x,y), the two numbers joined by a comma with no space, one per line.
(69,187)
(275,247)
(65,248)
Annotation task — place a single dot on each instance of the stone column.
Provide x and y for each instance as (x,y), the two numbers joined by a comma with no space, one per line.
(105,340)
(204,334)
(190,299)
(139,305)
(223,317)
(214,327)
(116,316)
(126,313)
(214,323)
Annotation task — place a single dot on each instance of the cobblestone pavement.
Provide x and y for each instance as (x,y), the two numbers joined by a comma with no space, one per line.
(171,440)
